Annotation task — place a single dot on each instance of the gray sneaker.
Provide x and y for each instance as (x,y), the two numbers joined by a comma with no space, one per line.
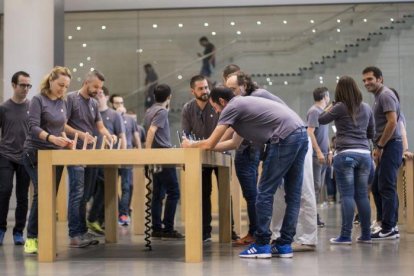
(90,238)
(78,242)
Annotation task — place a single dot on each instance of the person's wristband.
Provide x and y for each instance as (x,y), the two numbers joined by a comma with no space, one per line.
(47,137)
(379,147)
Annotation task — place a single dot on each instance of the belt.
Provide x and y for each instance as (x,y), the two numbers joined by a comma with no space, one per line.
(275,140)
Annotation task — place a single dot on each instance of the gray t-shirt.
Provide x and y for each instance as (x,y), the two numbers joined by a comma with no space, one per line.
(385,101)
(13,124)
(131,127)
(45,115)
(350,134)
(113,122)
(262,93)
(259,120)
(321,131)
(199,122)
(157,115)
(83,114)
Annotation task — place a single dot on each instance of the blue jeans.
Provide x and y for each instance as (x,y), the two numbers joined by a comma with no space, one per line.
(352,172)
(330,182)
(79,181)
(97,211)
(246,164)
(386,181)
(30,164)
(284,160)
(126,186)
(165,182)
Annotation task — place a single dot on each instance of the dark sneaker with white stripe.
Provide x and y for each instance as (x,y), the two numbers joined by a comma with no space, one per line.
(382,235)
(257,251)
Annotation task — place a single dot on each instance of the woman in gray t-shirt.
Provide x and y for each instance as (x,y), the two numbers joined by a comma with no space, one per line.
(47,118)
(355,125)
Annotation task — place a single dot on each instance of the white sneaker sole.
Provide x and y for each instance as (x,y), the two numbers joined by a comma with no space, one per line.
(288,255)
(257,256)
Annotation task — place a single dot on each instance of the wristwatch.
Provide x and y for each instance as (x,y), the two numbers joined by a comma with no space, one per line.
(379,147)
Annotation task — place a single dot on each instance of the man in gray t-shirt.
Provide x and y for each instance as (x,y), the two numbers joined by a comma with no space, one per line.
(387,153)
(165,181)
(264,122)
(13,124)
(319,135)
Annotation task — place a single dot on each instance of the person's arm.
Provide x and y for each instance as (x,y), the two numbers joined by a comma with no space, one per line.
(209,143)
(150,136)
(227,135)
(81,135)
(104,131)
(406,153)
(136,140)
(315,146)
(389,129)
(230,144)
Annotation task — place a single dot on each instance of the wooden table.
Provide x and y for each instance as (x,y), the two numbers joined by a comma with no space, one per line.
(191,159)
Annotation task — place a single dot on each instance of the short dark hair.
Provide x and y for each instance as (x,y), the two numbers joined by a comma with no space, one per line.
(230,69)
(221,92)
(111,99)
(375,70)
(97,74)
(319,93)
(203,38)
(15,77)
(196,78)
(161,93)
(245,79)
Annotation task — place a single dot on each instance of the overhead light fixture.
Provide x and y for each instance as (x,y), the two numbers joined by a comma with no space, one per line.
(88,58)
(92,69)
(365,20)
(392,19)
(81,64)
(270,83)
(84,45)
(285,83)
(180,25)
(267,79)
(70,37)
(205,24)
(312,21)
(179,77)
(338,30)
(259,22)
(313,30)
(232,23)
(103,27)
(139,50)
(337,77)
(321,81)
(78,28)
(213,33)
(154,26)
(284,22)
(74,70)
(338,20)
(238,32)
(79,79)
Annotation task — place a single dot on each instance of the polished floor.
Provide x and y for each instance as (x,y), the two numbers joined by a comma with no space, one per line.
(128,257)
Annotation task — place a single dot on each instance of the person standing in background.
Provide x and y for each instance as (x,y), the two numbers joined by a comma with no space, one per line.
(209,57)
(151,79)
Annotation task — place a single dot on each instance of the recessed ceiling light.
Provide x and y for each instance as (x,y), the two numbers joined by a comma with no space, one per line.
(79,79)
(270,83)
(78,28)
(338,30)
(74,70)
(139,50)
(92,69)
(213,33)
(267,79)
(84,45)
(179,77)
(180,25)
(154,26)
(81,64)
(320,77)
(238,32)
(284,22)
(70,37)
(392,19)
(321,81)
(313,30)
(170,40)
(285,82)
(205,24)
(103,27)
(338,20)
(259,22)
(337,77)
(88,58)
(232,23)
(312,21)
(365,20)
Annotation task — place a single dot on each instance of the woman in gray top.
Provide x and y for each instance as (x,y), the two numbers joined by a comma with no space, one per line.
(46,120)
(355,125)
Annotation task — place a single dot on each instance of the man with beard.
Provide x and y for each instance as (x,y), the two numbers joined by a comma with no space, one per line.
(84,119)
(199,119)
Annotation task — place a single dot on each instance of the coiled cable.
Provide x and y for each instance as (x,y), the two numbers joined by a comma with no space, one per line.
(148,196)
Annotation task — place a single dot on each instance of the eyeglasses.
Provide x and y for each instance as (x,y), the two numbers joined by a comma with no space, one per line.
(24,86)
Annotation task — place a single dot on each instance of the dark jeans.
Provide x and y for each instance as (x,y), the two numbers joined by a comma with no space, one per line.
(7,170)
(284,160)
(126,186)
(97,211)
(30,164)
(246,164)
(384,186)
(352,173)
(79,185)
(206,198)
(330,182)
(165,183)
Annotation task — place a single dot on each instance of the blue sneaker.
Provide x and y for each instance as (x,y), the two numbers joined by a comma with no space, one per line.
(341,240)
(282,251)
(257,251)
(18,239)
(2,236)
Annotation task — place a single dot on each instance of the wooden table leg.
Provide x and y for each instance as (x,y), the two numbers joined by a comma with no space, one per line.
(182,195)
(46,207)
(224,204)
(409,174)
(138,200)
(111,204)
(62,197)
(193,214)
(400,192)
